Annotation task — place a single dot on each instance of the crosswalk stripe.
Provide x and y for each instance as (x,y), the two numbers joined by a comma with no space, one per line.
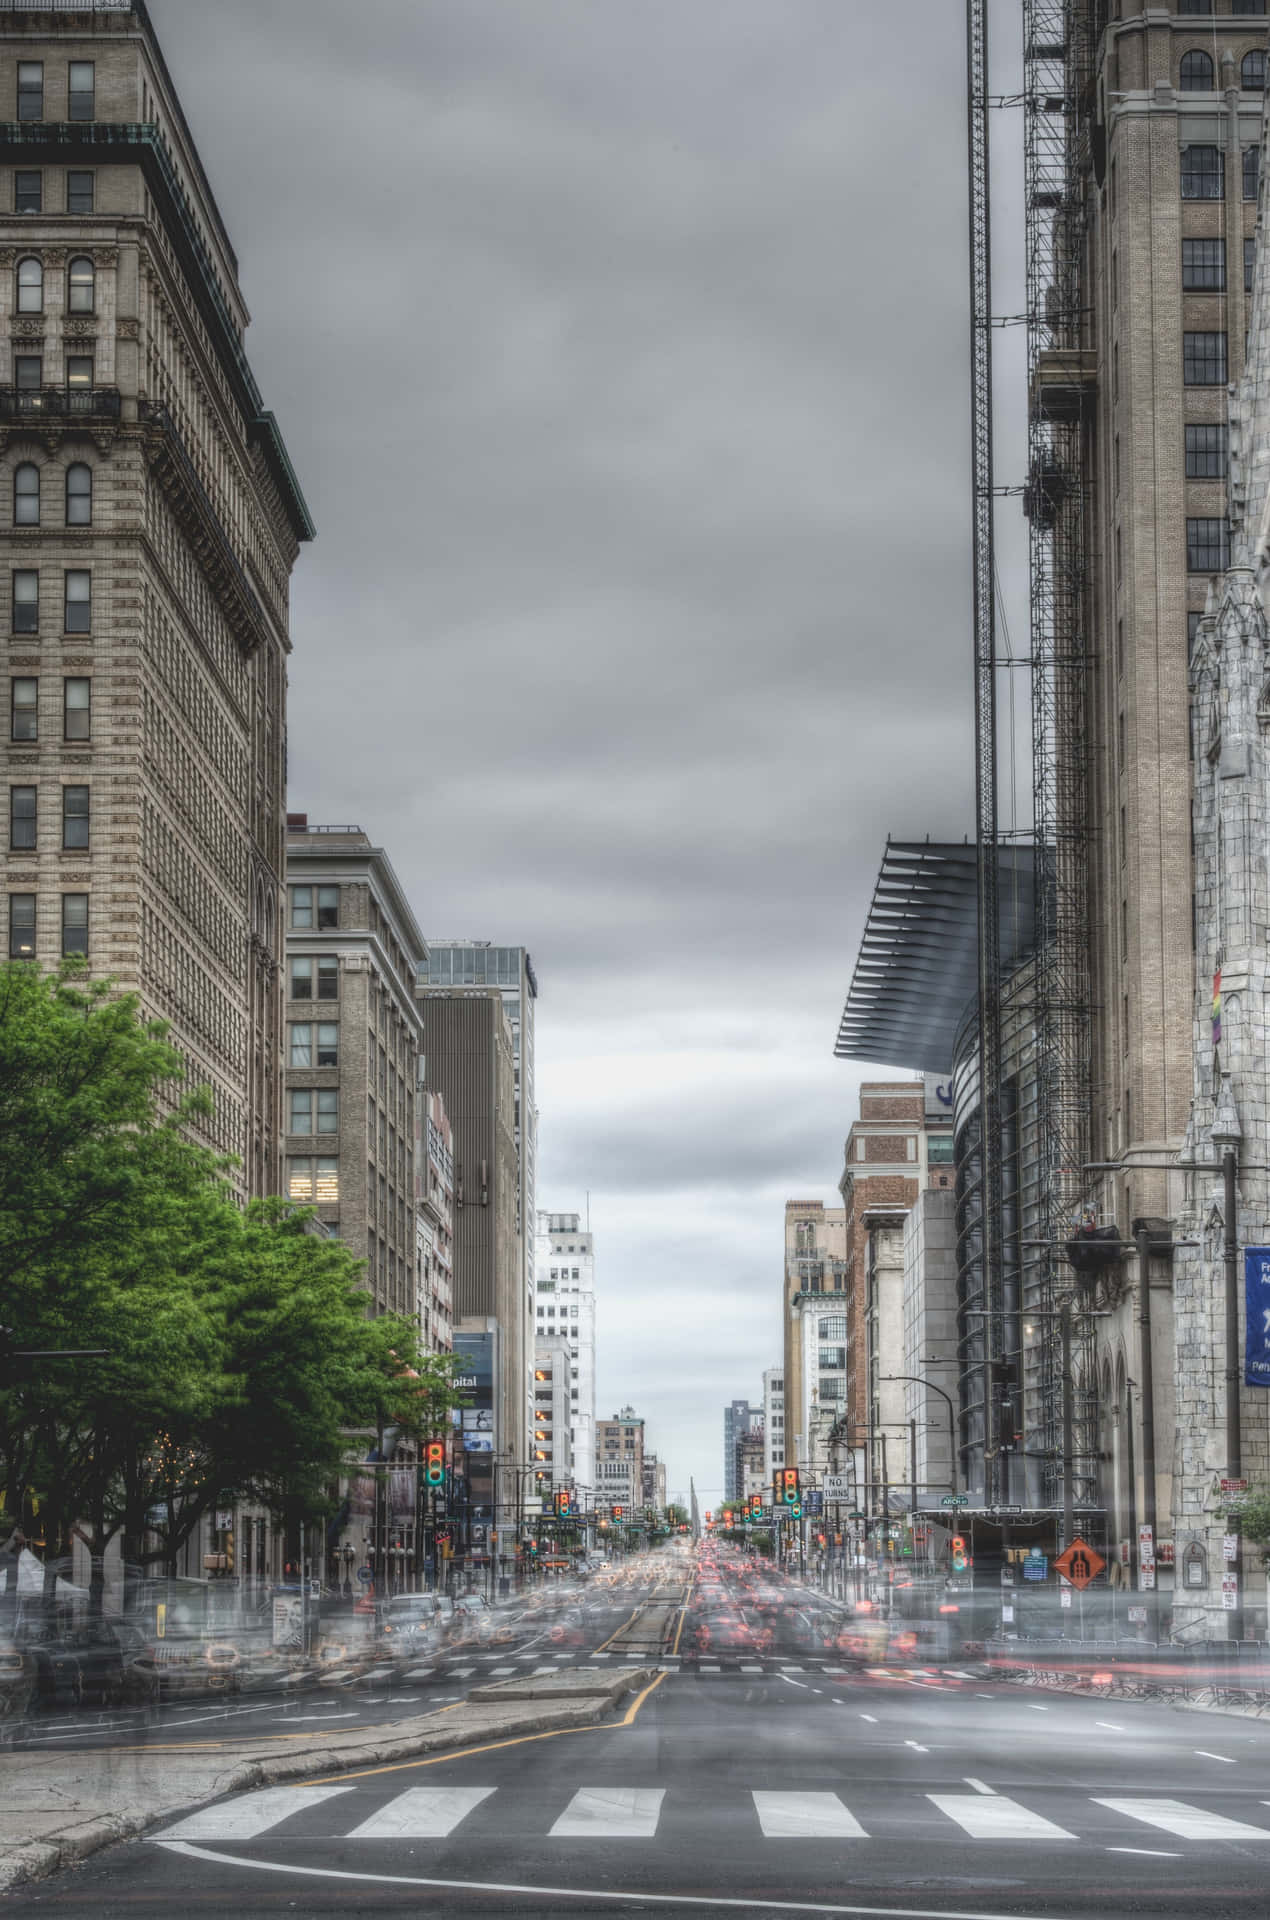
(611,1813)
(997,1818)
(422,1813)
(1188,1823)
(248,1814)
(806,1816)
(751,1669)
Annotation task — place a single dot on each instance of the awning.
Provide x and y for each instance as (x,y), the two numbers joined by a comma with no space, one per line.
(917,971)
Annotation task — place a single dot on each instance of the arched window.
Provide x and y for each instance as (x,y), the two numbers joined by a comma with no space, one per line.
(833,1326)
(82,285)
(26,495)
(30,286)
(1196,72)
(79,495)
(1252,71)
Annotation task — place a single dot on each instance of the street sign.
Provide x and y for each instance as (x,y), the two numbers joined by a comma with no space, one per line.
(365,1575)
(1080,1563)
(1035,1565)
(837,1486)
(1230,1547)
(954,1500)
(1064,1596)
(1233,1486)
(1230,1591)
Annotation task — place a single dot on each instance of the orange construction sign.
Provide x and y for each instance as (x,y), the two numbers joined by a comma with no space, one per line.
(1080,1563)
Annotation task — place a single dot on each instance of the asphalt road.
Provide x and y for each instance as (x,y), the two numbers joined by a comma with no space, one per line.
(760,1787)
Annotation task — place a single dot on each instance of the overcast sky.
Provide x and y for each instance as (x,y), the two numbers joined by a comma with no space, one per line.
(620,349)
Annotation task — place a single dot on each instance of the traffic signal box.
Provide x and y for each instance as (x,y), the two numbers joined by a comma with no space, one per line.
(562,1501)
(434,1464)
(618,1512)
(756,1504)
(957,1556)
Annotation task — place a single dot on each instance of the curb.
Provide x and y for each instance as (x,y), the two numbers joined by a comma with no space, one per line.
(26,1862)
(1177,1702)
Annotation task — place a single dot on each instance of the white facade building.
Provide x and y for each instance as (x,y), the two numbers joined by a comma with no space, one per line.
(773,1421)
(564,1306)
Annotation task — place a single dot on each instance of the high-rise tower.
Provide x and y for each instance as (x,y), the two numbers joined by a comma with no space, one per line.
(152,519)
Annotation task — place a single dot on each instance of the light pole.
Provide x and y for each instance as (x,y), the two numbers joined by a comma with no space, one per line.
(1227,1133)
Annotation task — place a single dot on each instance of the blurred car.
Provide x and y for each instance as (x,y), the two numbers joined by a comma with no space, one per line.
(17,1685)
(412,1624)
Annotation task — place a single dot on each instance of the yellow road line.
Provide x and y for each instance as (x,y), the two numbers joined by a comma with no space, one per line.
(493,1746)
(621,1630)
(683,1615)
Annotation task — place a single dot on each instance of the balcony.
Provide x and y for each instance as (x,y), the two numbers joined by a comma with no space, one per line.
(59,403)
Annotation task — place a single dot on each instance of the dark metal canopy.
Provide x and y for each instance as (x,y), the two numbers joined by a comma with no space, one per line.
(917,970)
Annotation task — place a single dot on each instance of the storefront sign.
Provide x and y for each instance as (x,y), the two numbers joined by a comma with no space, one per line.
(1257,1304)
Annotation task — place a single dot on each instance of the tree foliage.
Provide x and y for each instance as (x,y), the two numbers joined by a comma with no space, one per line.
(237,1351)
(1252,1512)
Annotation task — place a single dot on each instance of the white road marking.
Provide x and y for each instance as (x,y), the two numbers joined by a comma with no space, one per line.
(788,1669)
(1188,1823)
(915,1746)
(978,1785)
(871,1717)
(1036,1709)
(421,1813)
(611,1813)
(461,1673)
(806,1816)
(795,1683)
(623,1896)
(1152,1853)
(1113,1725)
(709,1666)
(249,1814)
(751,1669)
(996,1818)
(1225,1758)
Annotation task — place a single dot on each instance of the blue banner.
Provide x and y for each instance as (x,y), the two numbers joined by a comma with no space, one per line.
(1257,1306)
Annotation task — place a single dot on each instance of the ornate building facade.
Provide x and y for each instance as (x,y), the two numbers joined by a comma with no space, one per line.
(151,518)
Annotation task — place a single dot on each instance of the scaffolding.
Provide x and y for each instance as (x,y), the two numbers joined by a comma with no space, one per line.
(1031,1134)
(1059,46)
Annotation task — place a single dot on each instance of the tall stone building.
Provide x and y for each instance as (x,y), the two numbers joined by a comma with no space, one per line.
(353,1039)
(619,1463)
(815,1266)
(468,1060)
(1171,208)
(152,519)
(564,1266)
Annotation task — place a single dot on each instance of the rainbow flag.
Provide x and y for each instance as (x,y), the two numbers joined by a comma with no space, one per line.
(1217,1008)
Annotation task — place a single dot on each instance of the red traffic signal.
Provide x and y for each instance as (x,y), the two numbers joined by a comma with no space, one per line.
(434,1463)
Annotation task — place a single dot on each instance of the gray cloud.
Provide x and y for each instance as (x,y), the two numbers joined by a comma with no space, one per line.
(621,354)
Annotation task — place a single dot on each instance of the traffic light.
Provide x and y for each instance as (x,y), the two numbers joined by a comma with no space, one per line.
(957,1554)
(709,1517)
(618,1512)
(756,1503)
(562,1501)
(789,1479)
(794,1508)
(434,1463)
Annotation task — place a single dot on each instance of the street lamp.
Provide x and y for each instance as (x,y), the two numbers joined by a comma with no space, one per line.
(919,1381)
(1227,1133)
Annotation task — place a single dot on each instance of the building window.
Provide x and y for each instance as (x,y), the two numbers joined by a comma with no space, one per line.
(30,90)
(79,377)
(21,926)
(75,816)
(1207,546)
(832,1388)
(328,1044)
(80,192)
(77,710)
(26,495)
(311,1178)
(26,601)
(939,1150)
(81,90)
(1244,6)
(24,709)
(1203,266)
(81,285)
(301,1110)
(28,192)
(1252,71)
(302,978)
(1204,359)
(833,1326)
(1194,6)
(328,979)
(1206,452)
(28,372)
(79,600)
(74,923)
(1195,72)
(1252,172)
(1203,177)
(22,818)
(301,1054)
(832,1358)
(328,1110)
(301,906)
(1192,632)
(328,906)
(79,495)
(30,286)
(1250,261)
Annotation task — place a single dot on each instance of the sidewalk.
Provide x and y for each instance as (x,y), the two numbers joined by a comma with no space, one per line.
(56,1809)
(1204,1700)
